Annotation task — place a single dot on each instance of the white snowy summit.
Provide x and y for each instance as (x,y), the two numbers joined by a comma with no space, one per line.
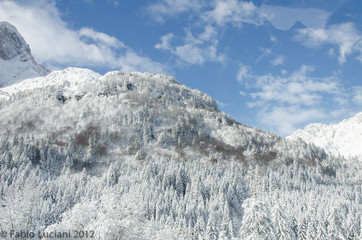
(344,138)
(16,61)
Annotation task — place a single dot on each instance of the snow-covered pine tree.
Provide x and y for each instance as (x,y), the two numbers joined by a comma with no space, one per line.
(256,223)
(282,224)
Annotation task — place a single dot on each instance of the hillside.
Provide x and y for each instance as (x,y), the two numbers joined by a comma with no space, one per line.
(139,108)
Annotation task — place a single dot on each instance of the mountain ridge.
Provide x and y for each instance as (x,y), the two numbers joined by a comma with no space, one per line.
(16,60)
(341,138)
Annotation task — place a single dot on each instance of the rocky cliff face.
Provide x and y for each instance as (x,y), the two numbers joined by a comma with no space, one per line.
(16,61)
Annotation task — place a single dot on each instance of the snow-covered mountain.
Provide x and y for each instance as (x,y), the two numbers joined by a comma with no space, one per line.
(343,138)
(142,153)
(140,156)
(150,111)
(16,61)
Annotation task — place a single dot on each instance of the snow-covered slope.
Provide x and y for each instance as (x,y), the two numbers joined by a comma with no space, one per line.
(150,110)
(16,61)
(344,138)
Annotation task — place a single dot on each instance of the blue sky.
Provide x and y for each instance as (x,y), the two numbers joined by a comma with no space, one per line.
(277,65)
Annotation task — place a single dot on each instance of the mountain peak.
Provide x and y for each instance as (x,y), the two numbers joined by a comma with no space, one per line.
(12,43)
(16,61)
(341,138)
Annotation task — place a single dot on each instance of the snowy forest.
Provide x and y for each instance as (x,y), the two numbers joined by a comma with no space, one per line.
(140,156)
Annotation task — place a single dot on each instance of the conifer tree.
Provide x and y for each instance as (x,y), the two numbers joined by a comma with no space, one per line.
(256,223)
(282,225)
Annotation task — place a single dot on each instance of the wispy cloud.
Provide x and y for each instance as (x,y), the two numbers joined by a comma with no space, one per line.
(357,95)
(216,15)
(285,119)
(100,38)
(265,52)
(167,8)
(115,3)
(298,88)
(195,49)
(234,12)
(344,36)
(221,104)
(53,42)
(290,99)
(244,74)
(279,60)
(220,12)
(211,17)
(238,12)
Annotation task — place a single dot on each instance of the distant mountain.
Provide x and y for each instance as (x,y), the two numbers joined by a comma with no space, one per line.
(344,138)
(16,61)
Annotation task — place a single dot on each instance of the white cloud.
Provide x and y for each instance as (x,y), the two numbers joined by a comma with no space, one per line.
(131,61)
(202,47)
(234,12)
(284,119)
(279,60)
(345,36)
(265,52)
(296,89)
(115,3)
(53,42)
(287,100)
(273,39)
(283,18)
(357,95)
(196,49)
(214,15)
(242,93)
(237,12)
(244,74)
(167,8)
(165,43)
(209,34)
(100,38)
(221,104)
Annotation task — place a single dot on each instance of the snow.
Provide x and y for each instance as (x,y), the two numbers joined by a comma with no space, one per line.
(15,70)
(68,79)
(344,138)
(12,43)
(16,61)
